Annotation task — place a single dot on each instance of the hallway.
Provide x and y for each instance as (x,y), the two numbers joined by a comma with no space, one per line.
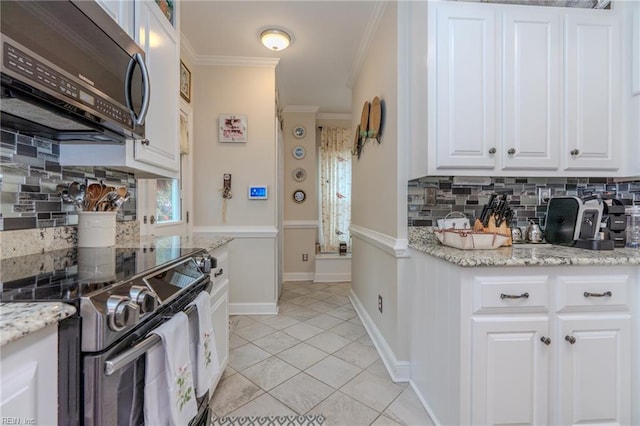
(314,357)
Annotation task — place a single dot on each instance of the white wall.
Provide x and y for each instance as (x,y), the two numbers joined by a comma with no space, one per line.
(248,90)
(379,203)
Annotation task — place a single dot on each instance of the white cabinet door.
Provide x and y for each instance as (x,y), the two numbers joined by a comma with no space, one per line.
(532,42)
(161,45)
(593,91)
(463,96)
(29,378)
(595,361)
(220,319)
(510,372)
(122,12)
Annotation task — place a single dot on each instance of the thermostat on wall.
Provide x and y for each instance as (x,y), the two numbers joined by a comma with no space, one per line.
(258,192)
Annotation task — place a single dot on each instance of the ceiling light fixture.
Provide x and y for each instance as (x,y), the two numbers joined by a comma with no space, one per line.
(275,40)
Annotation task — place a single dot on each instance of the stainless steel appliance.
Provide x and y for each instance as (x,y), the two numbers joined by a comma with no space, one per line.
(121,296)
(572,218)
(69,72)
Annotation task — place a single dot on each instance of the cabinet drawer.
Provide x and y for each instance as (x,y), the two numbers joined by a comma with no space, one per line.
(511,294)
(597,293)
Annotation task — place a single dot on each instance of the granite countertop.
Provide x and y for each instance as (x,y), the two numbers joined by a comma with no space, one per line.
(423,239)
(19,319)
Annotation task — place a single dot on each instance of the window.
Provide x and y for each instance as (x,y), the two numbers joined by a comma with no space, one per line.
(168,203)
(335,187)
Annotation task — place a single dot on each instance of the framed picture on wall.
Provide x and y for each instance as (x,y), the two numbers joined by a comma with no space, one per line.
(233,128)
(185,82)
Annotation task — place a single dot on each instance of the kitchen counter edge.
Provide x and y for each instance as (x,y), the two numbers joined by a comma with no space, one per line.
(20,319)
(422,239)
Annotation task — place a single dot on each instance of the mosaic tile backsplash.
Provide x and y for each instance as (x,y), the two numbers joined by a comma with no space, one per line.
(29,173)
(432,198)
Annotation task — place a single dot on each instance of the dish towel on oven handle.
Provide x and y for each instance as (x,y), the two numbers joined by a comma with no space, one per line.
(169,396)
(207,365)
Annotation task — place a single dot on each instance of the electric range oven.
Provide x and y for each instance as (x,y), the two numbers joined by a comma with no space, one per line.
(121,295)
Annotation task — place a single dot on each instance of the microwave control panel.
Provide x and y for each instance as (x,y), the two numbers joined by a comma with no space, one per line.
(24,66)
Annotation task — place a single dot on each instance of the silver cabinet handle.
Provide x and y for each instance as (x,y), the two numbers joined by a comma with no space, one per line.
(514,296)
(511,151)
(217,274)
(545,340)
(152,219)
(606,293)
(570,339)
(575,152)
(146,142)
(492,150)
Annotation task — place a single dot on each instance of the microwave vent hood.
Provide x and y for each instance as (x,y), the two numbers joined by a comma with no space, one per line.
(31,119)
(70,73)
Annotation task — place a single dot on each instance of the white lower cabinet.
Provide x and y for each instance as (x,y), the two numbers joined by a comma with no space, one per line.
(29,376)
(540,345)
(594,365)
(511,371)
(220,307)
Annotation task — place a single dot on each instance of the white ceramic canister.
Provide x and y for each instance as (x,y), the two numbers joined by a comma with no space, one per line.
(96,229)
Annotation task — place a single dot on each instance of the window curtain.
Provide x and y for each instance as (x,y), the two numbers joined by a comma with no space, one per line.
(335,187)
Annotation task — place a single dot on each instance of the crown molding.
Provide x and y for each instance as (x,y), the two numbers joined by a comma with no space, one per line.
(236,61)
(293,108)
(367,38)
(333,116)
(187,49)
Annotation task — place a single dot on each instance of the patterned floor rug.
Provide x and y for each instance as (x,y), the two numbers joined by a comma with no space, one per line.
(269,421)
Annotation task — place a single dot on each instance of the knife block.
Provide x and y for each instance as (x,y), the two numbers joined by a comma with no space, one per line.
(502,229)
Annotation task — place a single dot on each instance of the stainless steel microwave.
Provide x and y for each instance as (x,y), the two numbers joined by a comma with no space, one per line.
(70,73)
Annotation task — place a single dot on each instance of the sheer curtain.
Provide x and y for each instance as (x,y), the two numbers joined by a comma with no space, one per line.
(335,187)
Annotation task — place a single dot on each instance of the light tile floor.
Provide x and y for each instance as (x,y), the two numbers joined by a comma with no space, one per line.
(314,357)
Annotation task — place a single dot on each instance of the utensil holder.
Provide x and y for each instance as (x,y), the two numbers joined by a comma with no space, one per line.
(96,229)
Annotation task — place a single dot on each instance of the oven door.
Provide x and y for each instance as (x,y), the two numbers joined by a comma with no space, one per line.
(114,379)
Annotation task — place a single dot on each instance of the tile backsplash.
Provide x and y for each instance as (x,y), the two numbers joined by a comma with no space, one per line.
(30,170)
(432,198)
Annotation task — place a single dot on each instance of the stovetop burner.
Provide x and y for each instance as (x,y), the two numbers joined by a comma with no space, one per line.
(67,275)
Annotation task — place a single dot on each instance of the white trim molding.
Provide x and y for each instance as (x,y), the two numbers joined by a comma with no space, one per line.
(253,309)
(367,38)
(300,224)
(240,231)
(301,108)
(333,116)
(398,247)
(399,371)
(236,61)
(297,276)
(326,277)
(186,49)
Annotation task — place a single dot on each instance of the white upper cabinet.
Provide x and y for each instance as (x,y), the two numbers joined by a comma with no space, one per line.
(523,90)
(161,44)
(593,89)
(532,41)
(121,12)
(463,95)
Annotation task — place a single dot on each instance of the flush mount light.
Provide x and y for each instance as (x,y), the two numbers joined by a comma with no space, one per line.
(275,40)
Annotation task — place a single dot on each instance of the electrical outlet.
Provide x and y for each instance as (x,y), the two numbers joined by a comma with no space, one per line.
(380,303)
(430,197)
(544,195)
(305,257)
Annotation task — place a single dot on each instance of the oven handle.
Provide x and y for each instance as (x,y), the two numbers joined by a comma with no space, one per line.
(119,361)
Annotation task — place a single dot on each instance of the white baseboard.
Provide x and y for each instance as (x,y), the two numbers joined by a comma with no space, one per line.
(253,309)
(298,276)
(398,370)
(327,277)
(426,406)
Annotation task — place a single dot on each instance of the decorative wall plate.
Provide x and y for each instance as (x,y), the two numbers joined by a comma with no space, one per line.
(299,196)
(299,174)
(299,152)
(299,131)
